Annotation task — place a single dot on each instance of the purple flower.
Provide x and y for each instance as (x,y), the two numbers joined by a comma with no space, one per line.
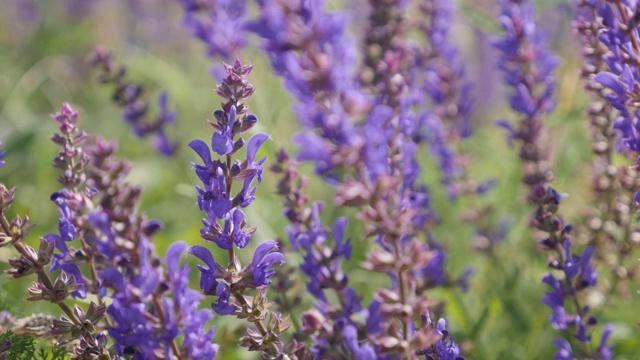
(564,351)
(197,343)
(210,274)
(136,110)
(2,156)
(222,306)
(217,23)
(445,348)
(233,231)
(555,301)
(364,351)
(527,64)
(621,78)
(433,274)
(604,352)
(313,148)
(378,134)
(222,140)
(253,169)
(67,232)
(262,261)
(308,47)
(444,72)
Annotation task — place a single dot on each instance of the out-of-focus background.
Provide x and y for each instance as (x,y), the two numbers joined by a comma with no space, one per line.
(43,50)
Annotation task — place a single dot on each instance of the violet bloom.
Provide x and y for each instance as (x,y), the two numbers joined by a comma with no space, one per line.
(217,23)
(622,77)
(443,349)
(527,64)
(210,274)
(439,74)
(131,290)
(357,350)
(445,77)
(308,48)
(65,259)
(2,156)
(263,260)
(232,284)
(222,306)
(322,264)
(580,274)
(131,273)
(564,351)
(136,110)
(197,343)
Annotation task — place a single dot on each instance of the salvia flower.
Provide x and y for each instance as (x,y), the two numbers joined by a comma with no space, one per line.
(99,209)
(527,64)
(615,187)
(620,37)
(218,24)
(444,348)
(438,73)
(2,153)
(217,199)
(129,96)
(263,259)
(198,343)
(75,324)
(309,48)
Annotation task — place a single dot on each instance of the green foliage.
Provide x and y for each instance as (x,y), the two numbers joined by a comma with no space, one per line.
(22,347)
(55,353)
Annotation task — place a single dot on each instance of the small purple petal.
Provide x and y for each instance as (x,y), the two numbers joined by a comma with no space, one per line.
(254,145)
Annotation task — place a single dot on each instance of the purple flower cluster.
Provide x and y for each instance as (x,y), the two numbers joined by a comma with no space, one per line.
(215,199)
(445,75)
(148,310)
(197,342)
(444,348)
(439,74)
(218,24)
(308,48)
(527,64)
(371,105)
(129,96)
(332,327)
(621,76)
(614,185)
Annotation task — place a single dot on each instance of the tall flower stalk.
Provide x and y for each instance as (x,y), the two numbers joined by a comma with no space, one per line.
(333,326)
(129,96)
(226,225)
(527,65)
(365,139)
(614,185)
(439,74)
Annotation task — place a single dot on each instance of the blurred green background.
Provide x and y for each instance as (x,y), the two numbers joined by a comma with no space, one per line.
(43,46)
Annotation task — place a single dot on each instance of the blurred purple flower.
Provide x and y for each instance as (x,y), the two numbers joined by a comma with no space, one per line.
(2,153)
(217,23)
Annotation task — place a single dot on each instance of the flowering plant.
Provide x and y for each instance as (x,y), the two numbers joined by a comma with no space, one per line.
(376,211)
